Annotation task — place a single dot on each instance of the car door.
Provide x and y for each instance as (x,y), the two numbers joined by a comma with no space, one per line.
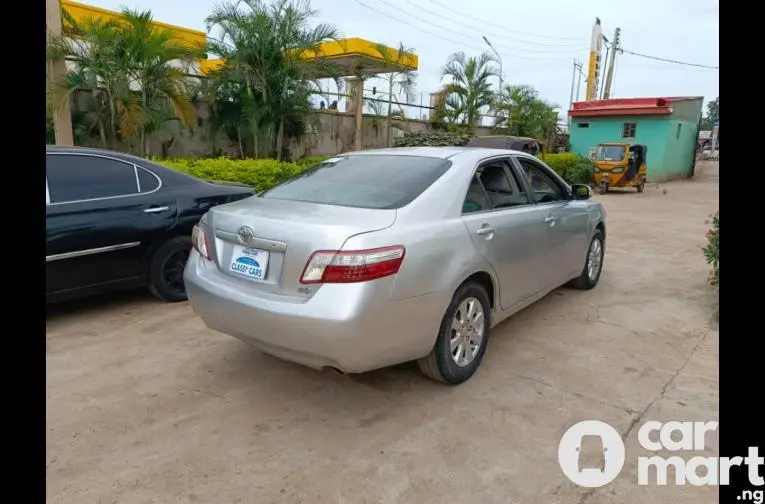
(506,228)
(565,219)
(102,216)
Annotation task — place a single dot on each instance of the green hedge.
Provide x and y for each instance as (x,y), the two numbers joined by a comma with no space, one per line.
(432,139)
(573,168)
(712,250)
(261,174)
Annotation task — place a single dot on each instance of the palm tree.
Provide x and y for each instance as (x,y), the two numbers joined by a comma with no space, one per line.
(91,47)
(158,64)
(403,80)
(263,45)
(525,113)
(468,91)
(130,68)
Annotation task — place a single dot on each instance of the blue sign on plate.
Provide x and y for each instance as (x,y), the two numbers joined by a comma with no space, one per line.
(249,262)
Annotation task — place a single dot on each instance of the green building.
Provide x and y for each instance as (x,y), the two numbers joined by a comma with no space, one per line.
(669,127)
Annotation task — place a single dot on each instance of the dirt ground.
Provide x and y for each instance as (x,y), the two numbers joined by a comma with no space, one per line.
(146,405)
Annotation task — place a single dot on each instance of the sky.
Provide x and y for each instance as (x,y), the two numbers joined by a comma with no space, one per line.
(537,41)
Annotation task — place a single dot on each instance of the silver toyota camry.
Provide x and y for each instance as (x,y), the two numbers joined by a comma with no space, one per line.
(374,258)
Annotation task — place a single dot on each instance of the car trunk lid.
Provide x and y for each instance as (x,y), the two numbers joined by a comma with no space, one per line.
(264,244)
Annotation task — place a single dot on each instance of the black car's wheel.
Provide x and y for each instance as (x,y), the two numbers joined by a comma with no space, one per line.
(593,264)
(462,338)
(166,269)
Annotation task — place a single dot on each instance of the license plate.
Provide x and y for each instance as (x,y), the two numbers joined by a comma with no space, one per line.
(249,262)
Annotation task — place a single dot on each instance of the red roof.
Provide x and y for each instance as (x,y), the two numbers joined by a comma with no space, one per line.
(627,106)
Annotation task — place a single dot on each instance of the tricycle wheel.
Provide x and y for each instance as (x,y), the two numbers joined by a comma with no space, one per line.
(603,188)
(641,186)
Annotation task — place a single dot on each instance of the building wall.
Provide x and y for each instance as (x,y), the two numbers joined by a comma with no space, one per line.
(670,155)
(650,131)
(680,152)
(682,136)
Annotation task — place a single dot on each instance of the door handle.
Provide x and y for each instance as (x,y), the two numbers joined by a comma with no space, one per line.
(484,230)
(156,209)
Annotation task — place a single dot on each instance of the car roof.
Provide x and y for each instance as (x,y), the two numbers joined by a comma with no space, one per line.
(169,175)
(90,150)
(439,152)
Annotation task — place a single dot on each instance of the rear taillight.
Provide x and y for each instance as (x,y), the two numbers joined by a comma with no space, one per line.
(200,242)
(331,266)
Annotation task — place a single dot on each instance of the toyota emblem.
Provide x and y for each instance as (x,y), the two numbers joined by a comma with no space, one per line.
(245,234)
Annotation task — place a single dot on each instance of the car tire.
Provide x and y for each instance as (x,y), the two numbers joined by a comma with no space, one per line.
(595,252)
(166,269)
(441,364)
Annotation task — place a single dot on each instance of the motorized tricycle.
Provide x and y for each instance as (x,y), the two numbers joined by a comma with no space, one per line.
(620,165)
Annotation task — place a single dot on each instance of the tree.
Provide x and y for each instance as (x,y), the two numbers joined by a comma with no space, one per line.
(525,114)
(403,81)
(157,63)
(130,70)
(713,114)
(263,45)
(468,91)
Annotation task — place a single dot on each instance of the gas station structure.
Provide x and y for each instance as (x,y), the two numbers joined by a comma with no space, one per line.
(350,57)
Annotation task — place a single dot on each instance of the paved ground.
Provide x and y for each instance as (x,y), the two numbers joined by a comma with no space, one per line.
(145,405)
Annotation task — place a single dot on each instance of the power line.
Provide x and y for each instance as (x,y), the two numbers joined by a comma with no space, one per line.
(504,28)
(667,60)
(415,26)
(458,42)
(441,27)
(494,34)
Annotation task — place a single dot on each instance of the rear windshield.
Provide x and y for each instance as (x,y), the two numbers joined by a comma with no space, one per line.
(369,181)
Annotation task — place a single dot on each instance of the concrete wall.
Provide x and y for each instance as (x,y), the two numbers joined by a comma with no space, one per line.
(329,133)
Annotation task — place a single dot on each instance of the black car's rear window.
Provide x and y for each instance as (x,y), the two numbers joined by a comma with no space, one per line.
(368,181)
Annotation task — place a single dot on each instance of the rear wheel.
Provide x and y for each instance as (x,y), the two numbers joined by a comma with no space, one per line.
(462,338)
(593,264)
(166,269)
(641,186)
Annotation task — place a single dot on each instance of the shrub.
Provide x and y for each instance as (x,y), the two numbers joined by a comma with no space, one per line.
(261,174)
(432,139)
(712,250)
(573,168)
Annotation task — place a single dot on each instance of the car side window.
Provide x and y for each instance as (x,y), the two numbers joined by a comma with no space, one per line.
(147,182)
(77,178)
(545,189)
(493,187)
(476,199)
(502,189)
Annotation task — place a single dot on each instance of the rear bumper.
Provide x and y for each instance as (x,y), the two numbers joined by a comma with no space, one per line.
(350,327)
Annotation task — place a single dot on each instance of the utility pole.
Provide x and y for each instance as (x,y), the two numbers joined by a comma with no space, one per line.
(610,73)
(499,58)
(608,48)
(62,117)
(580,74)
(573,81)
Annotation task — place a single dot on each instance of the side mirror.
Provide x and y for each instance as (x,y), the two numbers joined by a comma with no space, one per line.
(581,191)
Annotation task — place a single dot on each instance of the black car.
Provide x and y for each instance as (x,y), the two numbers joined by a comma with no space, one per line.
(117,221)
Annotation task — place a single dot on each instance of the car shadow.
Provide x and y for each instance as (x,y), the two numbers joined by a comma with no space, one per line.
(82,306)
